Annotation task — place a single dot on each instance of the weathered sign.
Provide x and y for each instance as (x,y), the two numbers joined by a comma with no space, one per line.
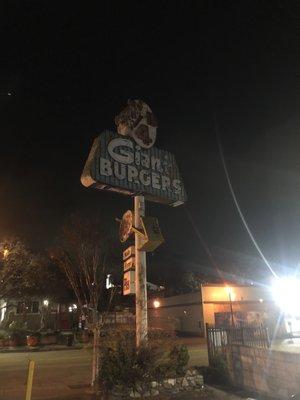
(129,252)
(118,164)
(129,283)
(138,121)
(129,264)
(125,229)
(152,234)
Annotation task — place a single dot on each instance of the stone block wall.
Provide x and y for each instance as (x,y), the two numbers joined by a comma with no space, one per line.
(191,381)
(264,371)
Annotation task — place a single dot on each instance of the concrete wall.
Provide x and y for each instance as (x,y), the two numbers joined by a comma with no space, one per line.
(267,372)
(182,313)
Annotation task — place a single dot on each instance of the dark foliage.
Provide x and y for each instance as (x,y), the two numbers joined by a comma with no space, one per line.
(216,372)
(121,363)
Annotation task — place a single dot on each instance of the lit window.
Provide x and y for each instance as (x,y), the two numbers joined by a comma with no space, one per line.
(29,307)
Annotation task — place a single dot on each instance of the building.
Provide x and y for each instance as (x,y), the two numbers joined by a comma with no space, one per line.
(37,314)
(228,304)
(182,313)
(221,305)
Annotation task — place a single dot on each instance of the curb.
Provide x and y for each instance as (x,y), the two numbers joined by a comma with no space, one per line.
(38,349)
(225,394)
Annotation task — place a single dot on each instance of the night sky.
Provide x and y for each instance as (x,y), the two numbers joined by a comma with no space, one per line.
(67,68)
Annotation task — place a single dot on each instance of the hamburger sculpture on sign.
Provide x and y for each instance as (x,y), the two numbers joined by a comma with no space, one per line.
(138,121)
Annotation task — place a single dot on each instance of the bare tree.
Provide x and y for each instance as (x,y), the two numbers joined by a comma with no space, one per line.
(85,254)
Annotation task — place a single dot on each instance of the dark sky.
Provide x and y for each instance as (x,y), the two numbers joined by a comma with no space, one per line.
(70,67)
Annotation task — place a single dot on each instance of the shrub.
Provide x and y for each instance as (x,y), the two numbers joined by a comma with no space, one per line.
(180,357)
(216,372)
(121,363)
(17,338)
(17,333)
(17,326)
(3,335)
(34,334)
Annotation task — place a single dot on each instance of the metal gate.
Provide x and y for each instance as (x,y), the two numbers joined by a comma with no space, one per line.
(219,338)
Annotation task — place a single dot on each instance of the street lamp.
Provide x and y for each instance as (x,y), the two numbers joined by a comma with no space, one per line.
(156,303)
(286,294)
(46,303)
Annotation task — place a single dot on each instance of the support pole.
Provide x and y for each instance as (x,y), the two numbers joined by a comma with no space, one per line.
(29,379)
(141,312)
(231,310)
(95,361)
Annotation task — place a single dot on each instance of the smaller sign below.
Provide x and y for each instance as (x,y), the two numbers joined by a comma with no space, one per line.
(129,283)
(129,252)
(129,264)
(153,236)
(125,229)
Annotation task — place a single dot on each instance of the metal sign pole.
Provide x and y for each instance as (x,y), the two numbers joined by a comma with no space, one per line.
(141,312)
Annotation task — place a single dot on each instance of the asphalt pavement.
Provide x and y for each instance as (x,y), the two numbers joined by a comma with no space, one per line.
(56,373)
(62,373)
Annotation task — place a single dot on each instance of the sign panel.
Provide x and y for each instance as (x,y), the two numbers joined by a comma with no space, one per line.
(153,235)
(129,283)
(129,264)
(118,164)
(125,229)
(129,252)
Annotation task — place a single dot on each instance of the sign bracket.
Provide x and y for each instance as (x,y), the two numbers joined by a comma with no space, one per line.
(135,230)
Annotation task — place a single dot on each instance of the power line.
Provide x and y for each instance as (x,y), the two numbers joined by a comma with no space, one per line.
(235,198)
(202,241)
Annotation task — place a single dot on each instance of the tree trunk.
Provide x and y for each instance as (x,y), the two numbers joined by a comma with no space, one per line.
(42,320)
(95,365)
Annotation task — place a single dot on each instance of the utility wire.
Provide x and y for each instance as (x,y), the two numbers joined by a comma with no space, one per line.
(235,198)
(202,241)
